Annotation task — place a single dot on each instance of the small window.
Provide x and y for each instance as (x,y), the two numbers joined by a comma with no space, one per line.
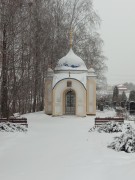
(69,84)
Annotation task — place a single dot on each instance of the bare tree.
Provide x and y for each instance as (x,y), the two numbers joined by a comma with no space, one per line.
(34,34)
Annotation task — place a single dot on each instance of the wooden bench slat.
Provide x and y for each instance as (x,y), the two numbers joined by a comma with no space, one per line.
(108,120)
(21,121)
(100,121)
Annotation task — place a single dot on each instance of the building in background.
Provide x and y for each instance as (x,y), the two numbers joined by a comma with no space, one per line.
(122,88)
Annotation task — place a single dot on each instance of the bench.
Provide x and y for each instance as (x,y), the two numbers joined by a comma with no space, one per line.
(100,121)
(21,121)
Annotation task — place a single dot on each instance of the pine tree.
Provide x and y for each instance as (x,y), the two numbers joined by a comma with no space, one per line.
(123,97)
(132,96)
(115,97)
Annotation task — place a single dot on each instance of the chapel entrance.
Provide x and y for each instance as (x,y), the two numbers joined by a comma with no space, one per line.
(70,103)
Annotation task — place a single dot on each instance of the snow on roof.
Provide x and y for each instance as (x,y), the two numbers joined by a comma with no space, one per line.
(91,72)
(71,62)
(122,88)
(49,72)
(80,77)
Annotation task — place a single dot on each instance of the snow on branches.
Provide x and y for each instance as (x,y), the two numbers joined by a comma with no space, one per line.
(110,127)
(12,127)
(126,141)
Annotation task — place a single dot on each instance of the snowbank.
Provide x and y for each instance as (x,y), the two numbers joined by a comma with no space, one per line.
(61,148)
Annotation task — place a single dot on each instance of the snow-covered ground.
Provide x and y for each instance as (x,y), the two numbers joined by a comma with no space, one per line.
(61,148)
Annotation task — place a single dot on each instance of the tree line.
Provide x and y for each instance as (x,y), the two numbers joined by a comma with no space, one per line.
(34,34)
(117,98)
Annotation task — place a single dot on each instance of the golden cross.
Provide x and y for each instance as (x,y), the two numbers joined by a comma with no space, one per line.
(71,38)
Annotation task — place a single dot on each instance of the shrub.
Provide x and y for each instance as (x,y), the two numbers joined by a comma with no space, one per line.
(126,141)
(12,127)
(110,127)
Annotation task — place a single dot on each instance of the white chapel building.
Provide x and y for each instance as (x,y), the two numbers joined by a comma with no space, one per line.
(71,88)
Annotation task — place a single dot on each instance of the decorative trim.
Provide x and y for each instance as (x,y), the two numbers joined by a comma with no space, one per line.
(69,79)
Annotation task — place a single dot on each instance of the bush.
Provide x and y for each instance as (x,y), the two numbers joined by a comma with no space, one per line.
(110,127)
(126,142)
(12,127)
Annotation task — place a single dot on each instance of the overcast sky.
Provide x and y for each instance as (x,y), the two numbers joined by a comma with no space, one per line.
(118,32)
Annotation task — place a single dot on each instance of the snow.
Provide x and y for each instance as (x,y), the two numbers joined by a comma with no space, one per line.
(61,148)
(12,127)
(125,142)
(71,62)
(80,77)
(91,72)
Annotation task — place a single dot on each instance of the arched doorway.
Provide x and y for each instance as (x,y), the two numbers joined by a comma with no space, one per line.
(70,100)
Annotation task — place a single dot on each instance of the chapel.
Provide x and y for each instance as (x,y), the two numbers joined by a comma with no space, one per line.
(71,88)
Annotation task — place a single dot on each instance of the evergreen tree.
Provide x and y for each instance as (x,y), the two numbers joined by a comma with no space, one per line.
(115,97)
(123,97)
(132,96)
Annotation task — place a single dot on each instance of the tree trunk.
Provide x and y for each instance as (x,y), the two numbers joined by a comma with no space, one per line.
(4,74)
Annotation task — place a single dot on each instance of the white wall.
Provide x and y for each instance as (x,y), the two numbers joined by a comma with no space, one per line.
(91,96)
